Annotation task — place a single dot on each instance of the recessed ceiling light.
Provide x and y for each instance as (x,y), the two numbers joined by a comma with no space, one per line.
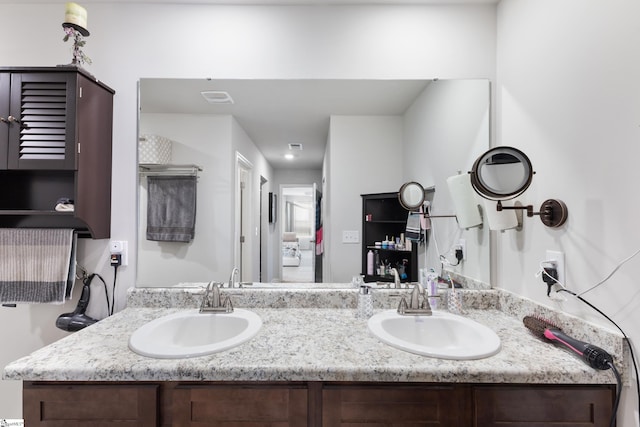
(217,97)
(289,156)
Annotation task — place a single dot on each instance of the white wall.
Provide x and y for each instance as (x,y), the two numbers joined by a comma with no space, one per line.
(355,169)
(260,168)
(567,94)
(130,41)
(298,177)
(193,137)
(445,130)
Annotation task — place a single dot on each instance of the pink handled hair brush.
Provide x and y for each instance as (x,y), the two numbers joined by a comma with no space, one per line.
(593,356)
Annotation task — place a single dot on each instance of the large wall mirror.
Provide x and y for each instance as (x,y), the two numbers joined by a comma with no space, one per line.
(254,208)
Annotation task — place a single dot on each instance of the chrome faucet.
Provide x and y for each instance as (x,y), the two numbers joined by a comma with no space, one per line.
(396,279)
(234,273)
(417,292)
(211,300)
(415,306)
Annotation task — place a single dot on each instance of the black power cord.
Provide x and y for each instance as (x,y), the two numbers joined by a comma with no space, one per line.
(618,393)
(116,261)
(626,339)
(113,291)
(549,278)
(459,255)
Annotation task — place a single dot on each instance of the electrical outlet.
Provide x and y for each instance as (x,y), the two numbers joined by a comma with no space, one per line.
(557,258)
(119,247)
(462,244)
(350,236)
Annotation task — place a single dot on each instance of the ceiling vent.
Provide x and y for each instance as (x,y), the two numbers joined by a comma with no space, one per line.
(217,97)
(295,146)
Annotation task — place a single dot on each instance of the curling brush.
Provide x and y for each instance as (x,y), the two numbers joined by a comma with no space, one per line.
(592,355)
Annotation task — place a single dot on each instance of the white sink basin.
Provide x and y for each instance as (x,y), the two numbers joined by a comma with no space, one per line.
(190,333)
(443,335)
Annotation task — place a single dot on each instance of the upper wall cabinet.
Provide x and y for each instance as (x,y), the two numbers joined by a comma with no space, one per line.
(55,142)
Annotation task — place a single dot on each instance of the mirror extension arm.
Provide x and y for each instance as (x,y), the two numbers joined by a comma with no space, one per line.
(553,212)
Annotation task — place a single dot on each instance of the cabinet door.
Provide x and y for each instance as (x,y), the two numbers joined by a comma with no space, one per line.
(81,405)
(394,405)
(543,406)
(248,405)
(93,160)
(45,135)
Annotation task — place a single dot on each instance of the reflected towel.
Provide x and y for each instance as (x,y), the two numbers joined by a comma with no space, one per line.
(414,230)
(35,265)
(171,208)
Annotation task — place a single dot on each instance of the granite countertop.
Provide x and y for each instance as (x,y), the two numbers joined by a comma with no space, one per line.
(304,344)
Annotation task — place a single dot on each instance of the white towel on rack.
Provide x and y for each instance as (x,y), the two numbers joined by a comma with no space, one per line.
(36,265)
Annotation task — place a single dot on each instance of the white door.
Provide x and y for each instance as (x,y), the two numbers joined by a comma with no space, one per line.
(244,219)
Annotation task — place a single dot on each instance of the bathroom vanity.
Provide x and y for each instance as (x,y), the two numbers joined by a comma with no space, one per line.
(313,367)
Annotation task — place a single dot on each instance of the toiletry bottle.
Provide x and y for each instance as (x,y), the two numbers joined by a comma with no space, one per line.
(370,262)
(376,261)
(432,289)
(365,302)
(403,269)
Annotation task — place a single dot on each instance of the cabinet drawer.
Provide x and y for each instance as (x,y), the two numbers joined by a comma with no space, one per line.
(82,405)
(247,405)
(394,405)
(538,406)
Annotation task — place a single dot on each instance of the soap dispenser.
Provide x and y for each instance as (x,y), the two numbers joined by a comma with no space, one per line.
(365,302)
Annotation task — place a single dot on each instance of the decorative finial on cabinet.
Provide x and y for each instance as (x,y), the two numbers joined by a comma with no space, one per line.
(74,25)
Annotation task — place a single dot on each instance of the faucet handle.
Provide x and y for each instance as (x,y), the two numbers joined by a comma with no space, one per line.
(205,297)
(228,306)
(402,306)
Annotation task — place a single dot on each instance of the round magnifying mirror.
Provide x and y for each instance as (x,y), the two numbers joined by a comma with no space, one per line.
(501,173)
(411,195)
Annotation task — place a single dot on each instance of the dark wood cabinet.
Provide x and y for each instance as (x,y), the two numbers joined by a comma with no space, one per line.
(394,405)
(249,404)
(315,404)
(541,405)
(42,128)
(55,142)
(87,405)
(384,218)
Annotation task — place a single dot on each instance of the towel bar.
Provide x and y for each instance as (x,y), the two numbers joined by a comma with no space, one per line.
(168,169)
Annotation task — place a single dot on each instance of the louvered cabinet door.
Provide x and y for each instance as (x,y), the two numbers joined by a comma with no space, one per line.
(42,131)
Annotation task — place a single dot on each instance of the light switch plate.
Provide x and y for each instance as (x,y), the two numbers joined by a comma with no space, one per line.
(350,236)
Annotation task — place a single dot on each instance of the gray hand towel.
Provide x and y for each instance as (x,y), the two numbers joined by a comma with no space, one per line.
(171,208)
(413,229)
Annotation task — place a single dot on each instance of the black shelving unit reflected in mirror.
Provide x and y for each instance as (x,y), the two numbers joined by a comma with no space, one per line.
(383,217)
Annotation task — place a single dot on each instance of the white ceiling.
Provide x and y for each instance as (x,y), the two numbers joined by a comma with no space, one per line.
(275,113)
(268,2)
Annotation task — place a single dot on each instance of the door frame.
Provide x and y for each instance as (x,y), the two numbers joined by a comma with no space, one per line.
(281,209)
(243,219)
